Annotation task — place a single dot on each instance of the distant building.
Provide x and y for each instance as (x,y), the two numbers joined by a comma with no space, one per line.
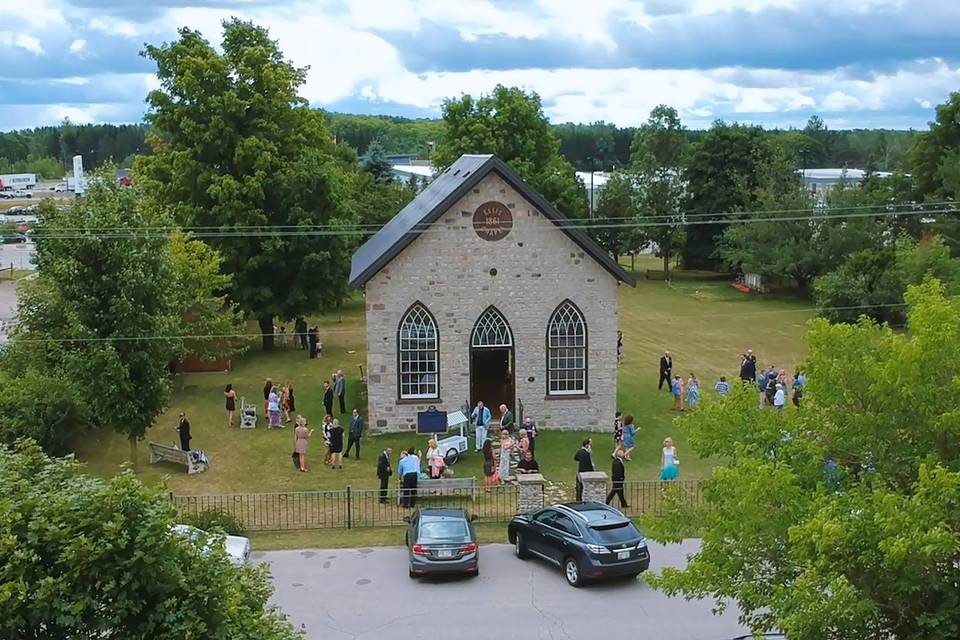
(821,181)
(404,172)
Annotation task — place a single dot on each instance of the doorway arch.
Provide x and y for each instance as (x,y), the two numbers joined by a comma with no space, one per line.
(492,375)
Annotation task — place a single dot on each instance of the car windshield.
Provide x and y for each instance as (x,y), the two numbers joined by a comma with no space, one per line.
(617,533)
(442,530)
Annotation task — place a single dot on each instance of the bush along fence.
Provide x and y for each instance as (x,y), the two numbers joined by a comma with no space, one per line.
(350,508)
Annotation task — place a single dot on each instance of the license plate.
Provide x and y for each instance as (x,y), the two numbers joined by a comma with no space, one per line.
(623,555)
(445,553)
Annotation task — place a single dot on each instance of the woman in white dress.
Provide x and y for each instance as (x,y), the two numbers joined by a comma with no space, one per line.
(506,447)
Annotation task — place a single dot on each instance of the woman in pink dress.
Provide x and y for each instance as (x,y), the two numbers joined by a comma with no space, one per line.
(300,437)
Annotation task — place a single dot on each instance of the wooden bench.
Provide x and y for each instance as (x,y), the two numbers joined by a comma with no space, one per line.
(167,453)
(455,487)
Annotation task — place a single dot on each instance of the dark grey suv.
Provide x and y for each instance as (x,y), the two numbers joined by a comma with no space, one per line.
(587,540)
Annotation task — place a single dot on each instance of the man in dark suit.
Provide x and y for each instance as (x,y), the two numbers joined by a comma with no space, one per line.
(356,430)
(327,398)
(666,370)
(183,428)
(584,463)
(506,419)
(384,472)
(618,474)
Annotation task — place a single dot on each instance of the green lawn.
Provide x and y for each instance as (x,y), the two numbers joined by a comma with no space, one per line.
(706,325)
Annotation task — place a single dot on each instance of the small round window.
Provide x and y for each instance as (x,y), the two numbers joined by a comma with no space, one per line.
(493,272)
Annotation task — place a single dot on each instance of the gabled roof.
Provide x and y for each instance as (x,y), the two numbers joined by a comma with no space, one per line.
(441,194)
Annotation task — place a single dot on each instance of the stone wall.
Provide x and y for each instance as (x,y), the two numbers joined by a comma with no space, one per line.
(594,485)
(526,275)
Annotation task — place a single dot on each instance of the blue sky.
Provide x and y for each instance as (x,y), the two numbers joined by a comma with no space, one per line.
(857,63)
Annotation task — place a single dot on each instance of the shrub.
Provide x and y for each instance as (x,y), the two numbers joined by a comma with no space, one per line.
(215,520)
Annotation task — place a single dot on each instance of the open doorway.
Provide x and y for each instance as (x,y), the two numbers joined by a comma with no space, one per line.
(492,377)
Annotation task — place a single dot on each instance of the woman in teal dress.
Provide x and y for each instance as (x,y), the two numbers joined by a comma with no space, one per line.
(669,469)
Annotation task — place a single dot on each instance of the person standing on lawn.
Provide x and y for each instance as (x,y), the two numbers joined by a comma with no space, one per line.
(327,398)
(677,389)
(693,391)
(313,337)
(183,430)
(531,430)
(409,473)
(618,474)
(384,471)
(584,461)
(748,367)
(722,387)
(336,445)
(355,433)
(340,388)
(669,463)
(506,448)
(267,386)
(489,466)
(273,408)
(229,403)
(629,437)
(506,419)
(480,418)
(617,432)
(666,370)
(300,437)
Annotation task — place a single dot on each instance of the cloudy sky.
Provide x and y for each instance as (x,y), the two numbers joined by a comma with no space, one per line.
(858,63)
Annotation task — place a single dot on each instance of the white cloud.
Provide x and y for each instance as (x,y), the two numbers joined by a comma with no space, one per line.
(114,26)
(39,14)
(78,45)
(22,41)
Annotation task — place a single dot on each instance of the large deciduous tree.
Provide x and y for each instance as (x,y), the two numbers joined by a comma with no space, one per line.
(103,311)
(934,156)
(510,124)
(613,229)
(238,152)
(725,167)
(657,163)
(91,558)
(840,520)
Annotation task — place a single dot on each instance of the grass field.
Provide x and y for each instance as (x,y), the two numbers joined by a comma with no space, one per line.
(706,325)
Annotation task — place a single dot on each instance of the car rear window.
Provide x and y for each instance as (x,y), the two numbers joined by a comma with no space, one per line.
(617,533)
(443,531)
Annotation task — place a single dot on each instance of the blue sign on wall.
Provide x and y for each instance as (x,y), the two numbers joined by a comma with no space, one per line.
(431,421)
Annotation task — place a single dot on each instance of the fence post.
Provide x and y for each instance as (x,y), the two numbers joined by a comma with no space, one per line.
(348,507)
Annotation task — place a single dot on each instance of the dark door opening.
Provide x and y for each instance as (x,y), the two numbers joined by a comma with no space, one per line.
(491,378)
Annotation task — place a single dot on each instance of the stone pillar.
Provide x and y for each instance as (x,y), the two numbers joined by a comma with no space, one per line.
(529,492)
(594,485)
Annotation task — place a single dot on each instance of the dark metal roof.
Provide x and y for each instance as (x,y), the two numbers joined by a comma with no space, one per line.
(443,193)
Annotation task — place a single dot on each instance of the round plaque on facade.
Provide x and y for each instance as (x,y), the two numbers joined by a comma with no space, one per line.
(492,221)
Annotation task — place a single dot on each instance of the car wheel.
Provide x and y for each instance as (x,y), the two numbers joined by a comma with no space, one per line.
(571,571)
(520,548)
(412,575)
(452,457)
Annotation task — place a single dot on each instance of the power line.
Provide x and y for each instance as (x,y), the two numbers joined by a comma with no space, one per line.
(322,230)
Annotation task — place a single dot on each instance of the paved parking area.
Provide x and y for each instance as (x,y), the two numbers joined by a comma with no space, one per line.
(361,594)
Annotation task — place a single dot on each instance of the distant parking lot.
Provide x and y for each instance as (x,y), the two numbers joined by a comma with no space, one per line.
(365,594)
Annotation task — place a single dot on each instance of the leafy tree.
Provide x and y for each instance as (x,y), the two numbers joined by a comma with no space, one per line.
(510,124)
(236,149)
(375,162)
(615,214)
(205,311)
(935,154)
(657,162)
(374,203)
(92,558)
(805,150)
(42,405)
(102,311)
(724,171)
(839,520)
(873,282)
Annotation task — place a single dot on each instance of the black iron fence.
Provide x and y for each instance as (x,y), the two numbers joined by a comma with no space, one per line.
(649,496)
(349,508)
(346,508)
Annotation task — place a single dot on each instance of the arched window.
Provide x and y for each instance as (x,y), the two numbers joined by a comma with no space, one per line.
(567,351)
(491,331)
(418,350)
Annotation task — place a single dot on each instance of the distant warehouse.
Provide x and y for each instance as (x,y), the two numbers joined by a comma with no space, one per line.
(11,181)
